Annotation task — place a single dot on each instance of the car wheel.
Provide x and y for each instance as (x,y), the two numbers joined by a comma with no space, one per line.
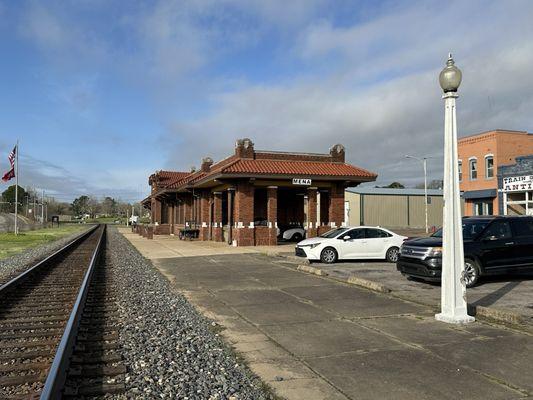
(393,254)
(329,255)
(471,273)
(297,237)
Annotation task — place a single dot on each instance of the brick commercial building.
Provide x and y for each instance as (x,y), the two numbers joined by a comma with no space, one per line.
(244,198)
(480,158)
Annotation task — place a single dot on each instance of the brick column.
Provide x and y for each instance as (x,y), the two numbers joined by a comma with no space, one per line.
(336,205)
(204,215)
(217,217)
(311,212)
(156,211)
(187,203)
(272,215)
(244,214)
(172,219)
(231,215)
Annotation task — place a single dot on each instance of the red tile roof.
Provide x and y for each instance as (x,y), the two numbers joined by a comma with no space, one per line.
(182,180)
(171,175)
(275,167)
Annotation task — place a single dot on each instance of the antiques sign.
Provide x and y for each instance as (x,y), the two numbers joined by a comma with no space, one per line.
(517,183)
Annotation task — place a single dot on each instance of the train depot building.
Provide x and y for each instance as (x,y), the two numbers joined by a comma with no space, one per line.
(246,198)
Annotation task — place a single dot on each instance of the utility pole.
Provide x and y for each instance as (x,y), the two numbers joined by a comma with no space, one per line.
(424,162)
(16,187)
(42,208)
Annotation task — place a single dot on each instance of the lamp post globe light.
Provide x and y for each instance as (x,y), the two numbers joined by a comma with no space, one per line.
(453,287)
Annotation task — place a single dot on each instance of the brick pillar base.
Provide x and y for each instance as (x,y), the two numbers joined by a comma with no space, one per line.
(217,234)
(272,236)
(245,236)
(312,232)
(204,233)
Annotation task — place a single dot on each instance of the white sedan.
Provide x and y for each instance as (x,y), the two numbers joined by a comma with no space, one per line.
(362,242)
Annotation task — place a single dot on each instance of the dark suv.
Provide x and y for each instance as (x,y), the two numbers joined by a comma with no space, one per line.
(492,245)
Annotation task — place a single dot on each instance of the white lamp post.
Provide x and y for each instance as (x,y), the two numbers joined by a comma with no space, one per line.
(424,162)
(453,289)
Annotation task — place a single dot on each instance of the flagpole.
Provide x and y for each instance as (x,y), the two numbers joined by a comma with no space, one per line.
(16,187)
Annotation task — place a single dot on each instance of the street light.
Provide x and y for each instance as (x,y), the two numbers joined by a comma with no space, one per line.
(453,288)
(424,162)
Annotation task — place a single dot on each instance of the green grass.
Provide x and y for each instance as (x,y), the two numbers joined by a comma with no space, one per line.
(11,244)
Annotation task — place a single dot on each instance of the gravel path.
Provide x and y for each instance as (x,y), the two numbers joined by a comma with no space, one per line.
(11,266)
(171,350)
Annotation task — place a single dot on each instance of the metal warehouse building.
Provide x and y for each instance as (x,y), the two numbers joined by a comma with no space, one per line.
(394,208)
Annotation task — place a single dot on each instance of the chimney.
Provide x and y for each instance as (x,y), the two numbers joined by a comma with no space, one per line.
(244,148)
(206,164)
(337,153)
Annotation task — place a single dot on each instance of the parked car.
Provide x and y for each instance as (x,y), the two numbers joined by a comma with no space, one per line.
(362,242)
(492,245)
(293,234)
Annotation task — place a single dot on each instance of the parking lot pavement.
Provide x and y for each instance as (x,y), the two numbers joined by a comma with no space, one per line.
(311,337)
(503,292)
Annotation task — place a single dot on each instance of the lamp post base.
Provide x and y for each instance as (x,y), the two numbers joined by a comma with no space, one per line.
(454,319)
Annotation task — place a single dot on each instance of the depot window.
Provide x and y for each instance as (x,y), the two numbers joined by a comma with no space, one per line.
(473,169)
(489,166)
(460,168)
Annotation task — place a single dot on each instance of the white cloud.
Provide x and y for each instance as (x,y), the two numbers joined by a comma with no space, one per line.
(381,97)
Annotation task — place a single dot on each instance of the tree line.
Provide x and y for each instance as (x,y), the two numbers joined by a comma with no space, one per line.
(32,204)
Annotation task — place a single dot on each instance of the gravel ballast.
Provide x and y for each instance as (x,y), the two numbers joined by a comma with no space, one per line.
(171,350)
(11,266)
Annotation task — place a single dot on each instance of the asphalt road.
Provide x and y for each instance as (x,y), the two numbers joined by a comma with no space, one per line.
(312,337)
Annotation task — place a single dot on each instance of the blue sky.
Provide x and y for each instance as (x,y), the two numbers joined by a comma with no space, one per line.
(102,93)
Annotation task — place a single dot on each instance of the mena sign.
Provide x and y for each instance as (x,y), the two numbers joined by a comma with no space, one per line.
(517,183)
(301,181)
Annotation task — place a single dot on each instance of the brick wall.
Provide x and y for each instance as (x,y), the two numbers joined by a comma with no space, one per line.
(217,217)
(244,214)
(262,236)
(272,215)
(504,146)
(311,212)
(162,229)
(336,205)
(204,215)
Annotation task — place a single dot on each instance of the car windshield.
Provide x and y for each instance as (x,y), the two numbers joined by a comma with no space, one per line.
(470,229)
(333,233)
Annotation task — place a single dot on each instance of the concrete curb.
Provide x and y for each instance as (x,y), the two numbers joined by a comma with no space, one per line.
(311,270)
(499,315)
(377,287)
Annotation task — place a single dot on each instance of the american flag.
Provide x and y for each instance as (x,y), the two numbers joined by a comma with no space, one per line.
(12,156)
(11,173)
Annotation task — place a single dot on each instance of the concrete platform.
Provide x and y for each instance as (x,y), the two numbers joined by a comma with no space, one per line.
(312,337)
(167,246)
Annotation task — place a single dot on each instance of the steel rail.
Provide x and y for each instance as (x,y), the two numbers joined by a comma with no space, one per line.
(17,279)
(58,371)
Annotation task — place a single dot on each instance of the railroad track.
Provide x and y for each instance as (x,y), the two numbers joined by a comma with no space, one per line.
(58,324)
